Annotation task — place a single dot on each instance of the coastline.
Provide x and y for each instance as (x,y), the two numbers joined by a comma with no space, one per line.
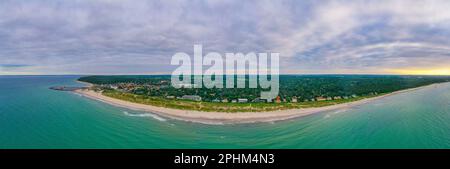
(85,83)
(230,118)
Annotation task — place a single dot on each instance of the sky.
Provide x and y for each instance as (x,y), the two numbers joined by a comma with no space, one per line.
(140,37)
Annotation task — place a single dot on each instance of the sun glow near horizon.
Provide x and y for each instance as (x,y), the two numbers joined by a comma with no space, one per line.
(413,71)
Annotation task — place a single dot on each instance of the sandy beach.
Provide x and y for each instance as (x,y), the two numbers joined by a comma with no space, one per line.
(85,83)
(229,118)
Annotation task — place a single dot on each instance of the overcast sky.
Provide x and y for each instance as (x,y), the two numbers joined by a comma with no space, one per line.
(140,37)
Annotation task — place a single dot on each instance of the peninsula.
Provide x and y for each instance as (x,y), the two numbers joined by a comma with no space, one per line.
(153,94)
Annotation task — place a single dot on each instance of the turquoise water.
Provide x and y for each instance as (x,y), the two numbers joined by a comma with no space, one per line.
(32,116)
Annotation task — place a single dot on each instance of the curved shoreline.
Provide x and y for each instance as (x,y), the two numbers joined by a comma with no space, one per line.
(85,83)
(229,118)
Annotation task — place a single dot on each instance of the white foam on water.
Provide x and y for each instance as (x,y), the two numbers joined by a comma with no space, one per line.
(144,115)
(340,111)
(328,115)
(77,94)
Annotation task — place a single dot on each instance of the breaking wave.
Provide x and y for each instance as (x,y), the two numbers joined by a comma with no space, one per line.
(145,115)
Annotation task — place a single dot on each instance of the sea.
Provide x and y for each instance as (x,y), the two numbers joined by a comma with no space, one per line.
(33,116)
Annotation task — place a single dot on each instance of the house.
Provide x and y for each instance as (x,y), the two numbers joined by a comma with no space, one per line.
(164,82)
(233,101)
(294,99)
(337,98)
(170,97)
(278,99)
(225,100)
(184,85)
(321,98)
(192,97)
(113,87)
(259,100)
(216,100)
(242,100)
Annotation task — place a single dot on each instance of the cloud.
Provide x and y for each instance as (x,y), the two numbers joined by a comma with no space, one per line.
(13,65)
(114,37)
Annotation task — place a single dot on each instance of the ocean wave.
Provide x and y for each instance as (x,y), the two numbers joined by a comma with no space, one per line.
(328,115)
(340,111)
(77,94)
(145,115)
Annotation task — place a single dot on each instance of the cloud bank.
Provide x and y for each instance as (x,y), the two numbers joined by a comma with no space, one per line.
(139,37)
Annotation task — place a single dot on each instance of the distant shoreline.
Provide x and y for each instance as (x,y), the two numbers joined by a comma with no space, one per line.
(229,118)
(86,83)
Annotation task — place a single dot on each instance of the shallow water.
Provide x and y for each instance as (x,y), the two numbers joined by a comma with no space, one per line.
(32,116)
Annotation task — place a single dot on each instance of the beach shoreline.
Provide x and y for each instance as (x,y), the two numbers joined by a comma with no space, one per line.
(230,118)
(85,83)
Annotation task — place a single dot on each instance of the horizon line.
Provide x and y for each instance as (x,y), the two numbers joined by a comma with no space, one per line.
(222,74)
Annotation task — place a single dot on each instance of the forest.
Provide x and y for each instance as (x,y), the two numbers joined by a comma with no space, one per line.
(301,87)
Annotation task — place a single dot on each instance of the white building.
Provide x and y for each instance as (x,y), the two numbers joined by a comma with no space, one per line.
(242,100)
(192,97)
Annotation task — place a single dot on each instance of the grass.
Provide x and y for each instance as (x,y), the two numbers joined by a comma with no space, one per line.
(222,107)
